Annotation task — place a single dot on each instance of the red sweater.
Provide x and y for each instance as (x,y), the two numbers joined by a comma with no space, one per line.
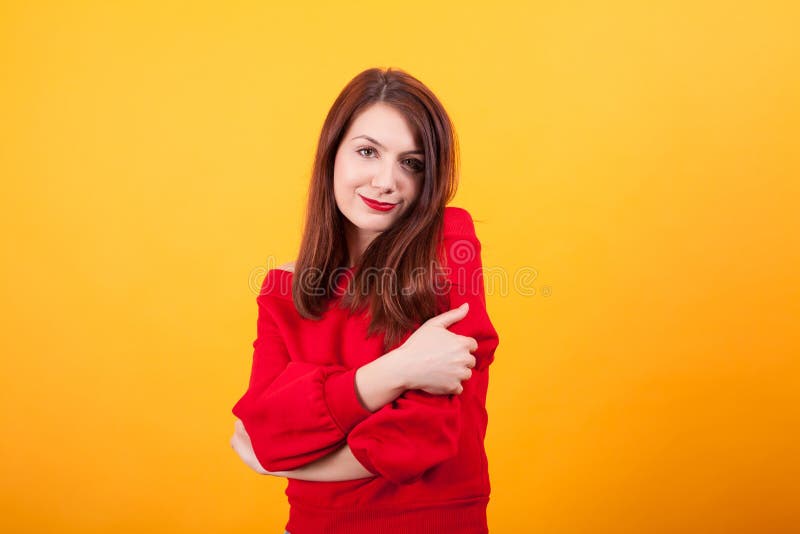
(426,450)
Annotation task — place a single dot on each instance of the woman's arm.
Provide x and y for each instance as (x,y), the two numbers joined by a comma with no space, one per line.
(337,466)
(381,381)
(297,412)
(240,442)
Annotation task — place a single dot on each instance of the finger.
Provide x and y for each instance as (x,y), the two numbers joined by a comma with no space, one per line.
(472,361)
(470,342)
(449,317)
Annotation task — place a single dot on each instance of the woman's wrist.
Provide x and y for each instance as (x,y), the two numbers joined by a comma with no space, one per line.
(381,381)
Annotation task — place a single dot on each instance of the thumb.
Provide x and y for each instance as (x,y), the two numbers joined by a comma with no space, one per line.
(449,317)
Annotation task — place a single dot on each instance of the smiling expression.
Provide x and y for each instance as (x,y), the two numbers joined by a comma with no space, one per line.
(379,160)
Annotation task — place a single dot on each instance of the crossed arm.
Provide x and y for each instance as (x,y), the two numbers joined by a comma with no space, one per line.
(386,441)
(377,383)
(337,466)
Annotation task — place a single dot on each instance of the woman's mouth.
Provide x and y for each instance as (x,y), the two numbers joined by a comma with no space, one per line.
(374,204)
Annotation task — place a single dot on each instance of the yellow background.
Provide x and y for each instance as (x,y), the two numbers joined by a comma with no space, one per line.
(640,159)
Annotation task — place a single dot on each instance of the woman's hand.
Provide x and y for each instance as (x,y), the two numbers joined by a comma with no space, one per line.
(436,360)
(244,448)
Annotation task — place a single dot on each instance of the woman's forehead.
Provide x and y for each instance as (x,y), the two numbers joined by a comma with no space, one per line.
(385,126)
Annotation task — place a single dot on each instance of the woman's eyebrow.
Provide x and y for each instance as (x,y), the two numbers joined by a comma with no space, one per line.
(368,138)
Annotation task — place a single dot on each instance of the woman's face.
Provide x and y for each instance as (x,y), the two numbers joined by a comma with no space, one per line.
(380,160)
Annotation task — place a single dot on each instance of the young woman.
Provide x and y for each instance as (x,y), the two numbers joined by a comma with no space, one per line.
(370,369)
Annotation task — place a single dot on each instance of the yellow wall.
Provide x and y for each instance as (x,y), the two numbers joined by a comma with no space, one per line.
(641,159)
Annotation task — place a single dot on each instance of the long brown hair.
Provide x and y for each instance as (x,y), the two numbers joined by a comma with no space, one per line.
(406,256)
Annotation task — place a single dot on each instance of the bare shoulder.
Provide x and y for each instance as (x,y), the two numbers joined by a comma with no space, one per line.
(287,267)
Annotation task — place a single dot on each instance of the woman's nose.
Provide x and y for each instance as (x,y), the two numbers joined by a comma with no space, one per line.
(384,179)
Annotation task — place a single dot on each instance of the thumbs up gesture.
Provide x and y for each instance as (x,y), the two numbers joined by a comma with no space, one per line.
(435,359)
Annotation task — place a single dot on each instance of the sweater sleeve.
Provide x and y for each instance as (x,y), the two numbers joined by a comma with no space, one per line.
(419,430)
(294,412)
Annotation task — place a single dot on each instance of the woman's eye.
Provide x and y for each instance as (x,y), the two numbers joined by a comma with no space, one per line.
(416,164)
(413,163)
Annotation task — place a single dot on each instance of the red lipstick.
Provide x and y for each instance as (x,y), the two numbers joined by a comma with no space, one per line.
(374,204)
